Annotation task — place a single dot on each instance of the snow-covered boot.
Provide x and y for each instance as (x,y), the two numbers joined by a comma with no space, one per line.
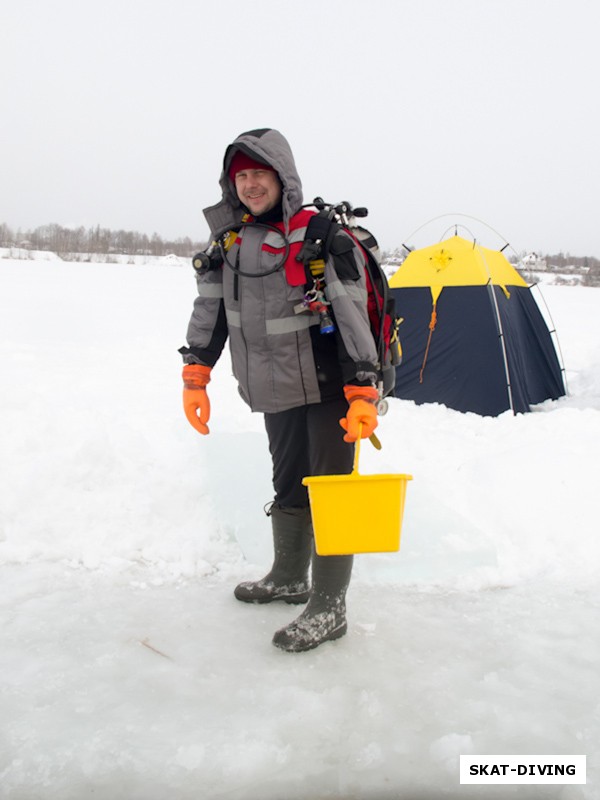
(324,618)
(292,544)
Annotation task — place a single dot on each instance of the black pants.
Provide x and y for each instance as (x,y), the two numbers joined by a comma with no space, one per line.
(307,440)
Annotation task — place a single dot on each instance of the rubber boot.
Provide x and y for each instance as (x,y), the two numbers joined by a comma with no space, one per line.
(324,618)
(288,578)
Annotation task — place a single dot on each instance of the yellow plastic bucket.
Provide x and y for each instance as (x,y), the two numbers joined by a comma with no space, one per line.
(356,513)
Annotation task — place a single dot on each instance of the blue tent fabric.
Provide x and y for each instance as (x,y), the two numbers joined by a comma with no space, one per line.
(465,366)
(531,354)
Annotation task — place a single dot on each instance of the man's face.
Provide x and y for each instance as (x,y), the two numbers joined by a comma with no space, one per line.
(258,189)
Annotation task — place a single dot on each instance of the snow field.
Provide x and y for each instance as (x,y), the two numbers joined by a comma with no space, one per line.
(129,671)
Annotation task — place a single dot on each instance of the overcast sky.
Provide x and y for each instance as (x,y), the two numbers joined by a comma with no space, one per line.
(117,112)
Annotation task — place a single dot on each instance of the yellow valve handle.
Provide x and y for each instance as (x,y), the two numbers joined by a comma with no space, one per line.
(375,441)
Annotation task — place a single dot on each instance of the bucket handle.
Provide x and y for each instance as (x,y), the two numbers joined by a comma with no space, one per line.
(357,450)
(374,441)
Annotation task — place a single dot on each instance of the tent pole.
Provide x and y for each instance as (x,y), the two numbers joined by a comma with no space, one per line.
(494,302)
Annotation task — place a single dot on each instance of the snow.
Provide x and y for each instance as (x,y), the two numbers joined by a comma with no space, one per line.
(128,670)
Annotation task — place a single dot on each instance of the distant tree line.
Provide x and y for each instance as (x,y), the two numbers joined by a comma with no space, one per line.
(58,239)
(64,241)
(588,266)
(565,260)
(592,278)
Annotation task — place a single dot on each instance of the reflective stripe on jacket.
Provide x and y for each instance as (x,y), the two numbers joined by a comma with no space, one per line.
(271,346)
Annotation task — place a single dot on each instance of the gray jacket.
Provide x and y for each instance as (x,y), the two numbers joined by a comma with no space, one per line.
(272,347)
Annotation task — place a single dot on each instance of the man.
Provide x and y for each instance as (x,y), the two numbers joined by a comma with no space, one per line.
(303,355)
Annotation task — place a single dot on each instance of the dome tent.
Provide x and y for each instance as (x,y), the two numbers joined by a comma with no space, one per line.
(473,337)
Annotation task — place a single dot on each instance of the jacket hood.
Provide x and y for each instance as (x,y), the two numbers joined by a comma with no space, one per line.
(271,147)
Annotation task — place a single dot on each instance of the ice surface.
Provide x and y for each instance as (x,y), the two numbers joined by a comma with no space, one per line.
(127,668)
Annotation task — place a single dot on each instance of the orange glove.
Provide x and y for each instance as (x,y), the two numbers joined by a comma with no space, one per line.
(195,398)
(362,410)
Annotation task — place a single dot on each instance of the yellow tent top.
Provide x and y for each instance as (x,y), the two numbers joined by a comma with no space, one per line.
(455,262)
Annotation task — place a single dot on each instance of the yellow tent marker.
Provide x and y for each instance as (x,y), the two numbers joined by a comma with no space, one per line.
(356,513)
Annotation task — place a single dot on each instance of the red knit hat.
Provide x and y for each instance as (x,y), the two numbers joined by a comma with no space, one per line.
(241,161)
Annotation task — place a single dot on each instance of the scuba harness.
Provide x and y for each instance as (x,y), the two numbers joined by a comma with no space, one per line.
(316,247)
